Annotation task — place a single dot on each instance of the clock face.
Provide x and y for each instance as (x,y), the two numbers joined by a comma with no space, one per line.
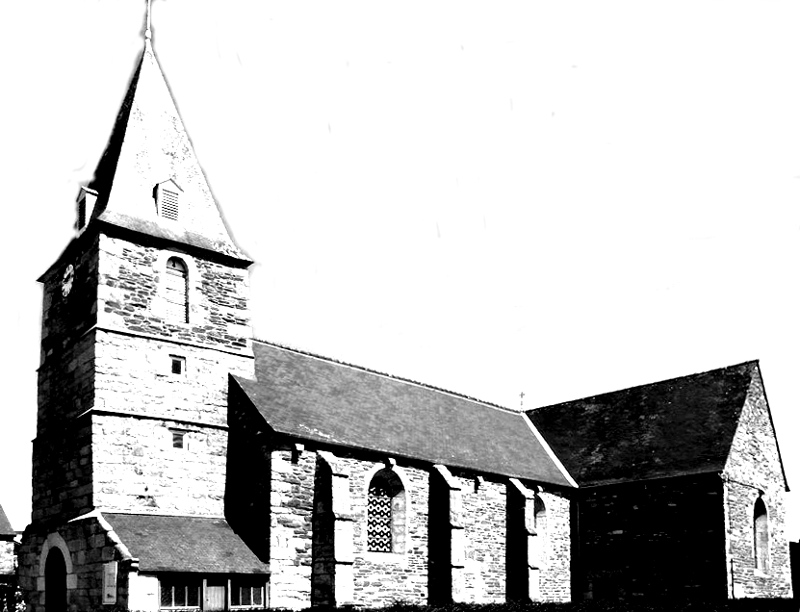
(67,280)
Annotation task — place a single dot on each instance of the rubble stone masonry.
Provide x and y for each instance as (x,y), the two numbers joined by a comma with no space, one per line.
(341,562)
(86,547)
(754,470)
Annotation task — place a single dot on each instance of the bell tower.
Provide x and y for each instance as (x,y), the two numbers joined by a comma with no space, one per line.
(145,314)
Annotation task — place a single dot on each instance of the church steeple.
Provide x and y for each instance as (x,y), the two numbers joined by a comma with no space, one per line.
(145,315)
(148,148)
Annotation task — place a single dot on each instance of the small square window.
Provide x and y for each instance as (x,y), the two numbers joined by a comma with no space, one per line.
(178,364)
(178,438)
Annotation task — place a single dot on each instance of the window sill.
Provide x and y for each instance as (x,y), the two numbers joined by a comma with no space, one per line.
(385,557)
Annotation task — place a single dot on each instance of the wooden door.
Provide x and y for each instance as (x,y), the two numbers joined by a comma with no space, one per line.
(214,595)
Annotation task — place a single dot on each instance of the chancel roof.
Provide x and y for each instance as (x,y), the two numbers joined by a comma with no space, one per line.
(184,544)
(312,398)
(675,427)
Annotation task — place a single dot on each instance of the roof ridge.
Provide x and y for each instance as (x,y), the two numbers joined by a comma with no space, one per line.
(390,376)
(183,516)
(650,384)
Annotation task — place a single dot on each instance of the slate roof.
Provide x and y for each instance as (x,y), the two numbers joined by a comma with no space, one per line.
(149,145)
(313,398)
(675,427)
(5,526)
(184,544)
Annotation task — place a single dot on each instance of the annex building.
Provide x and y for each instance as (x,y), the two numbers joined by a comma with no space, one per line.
(180,464)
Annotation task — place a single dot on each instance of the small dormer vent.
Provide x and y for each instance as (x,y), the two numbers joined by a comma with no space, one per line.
(168,200)
(169,204)
(87,198)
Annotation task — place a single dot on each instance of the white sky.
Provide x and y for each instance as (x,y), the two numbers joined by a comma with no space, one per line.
(564,198)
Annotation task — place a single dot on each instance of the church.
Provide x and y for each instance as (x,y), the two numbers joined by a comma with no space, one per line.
(181,464)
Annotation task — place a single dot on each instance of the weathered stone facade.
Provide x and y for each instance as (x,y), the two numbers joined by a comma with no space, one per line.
(86,545)
(149,411)
(754,471)
(317,543)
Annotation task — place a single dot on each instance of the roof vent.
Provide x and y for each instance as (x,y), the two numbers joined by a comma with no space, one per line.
(87,198)
(167,196)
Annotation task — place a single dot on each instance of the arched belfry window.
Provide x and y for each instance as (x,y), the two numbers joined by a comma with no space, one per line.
(176,290)
(760,535)
(386,513)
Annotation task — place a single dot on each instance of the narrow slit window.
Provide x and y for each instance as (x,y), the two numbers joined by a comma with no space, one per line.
(760,535)
(178,364)
(178,438)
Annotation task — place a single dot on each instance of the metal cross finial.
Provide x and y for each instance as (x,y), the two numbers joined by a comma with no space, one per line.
(147,21)
(521,398)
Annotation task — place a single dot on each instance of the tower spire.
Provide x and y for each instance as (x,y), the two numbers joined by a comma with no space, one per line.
(147,33)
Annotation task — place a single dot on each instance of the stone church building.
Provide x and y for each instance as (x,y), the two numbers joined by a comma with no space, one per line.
(180,464)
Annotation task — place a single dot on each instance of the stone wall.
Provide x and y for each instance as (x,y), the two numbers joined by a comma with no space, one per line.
(316,535)
(137,469)
(131,297)
(86,548)
(290,518)
(556,550)
(483,516)
(380,578)
(661,539)
(754,470)
(61,470)
(118,286)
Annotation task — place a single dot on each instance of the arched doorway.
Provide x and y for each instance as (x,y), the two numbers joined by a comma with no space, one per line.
(55,582)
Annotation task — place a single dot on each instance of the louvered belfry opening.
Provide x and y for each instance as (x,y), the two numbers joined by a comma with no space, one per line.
(385,512)
(169,204)
(176,290)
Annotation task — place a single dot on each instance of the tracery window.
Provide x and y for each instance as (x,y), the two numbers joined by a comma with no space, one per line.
(386,506)
(176,290)
(760,535)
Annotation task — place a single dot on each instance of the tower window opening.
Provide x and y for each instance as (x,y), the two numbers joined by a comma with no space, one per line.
(177,290)
(178,364)
(178,438)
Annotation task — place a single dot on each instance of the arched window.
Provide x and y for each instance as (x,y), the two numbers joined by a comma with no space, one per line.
(386,513)
(176,290)
(760,535)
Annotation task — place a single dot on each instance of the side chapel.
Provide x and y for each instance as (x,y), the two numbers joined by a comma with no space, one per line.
(180,464)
